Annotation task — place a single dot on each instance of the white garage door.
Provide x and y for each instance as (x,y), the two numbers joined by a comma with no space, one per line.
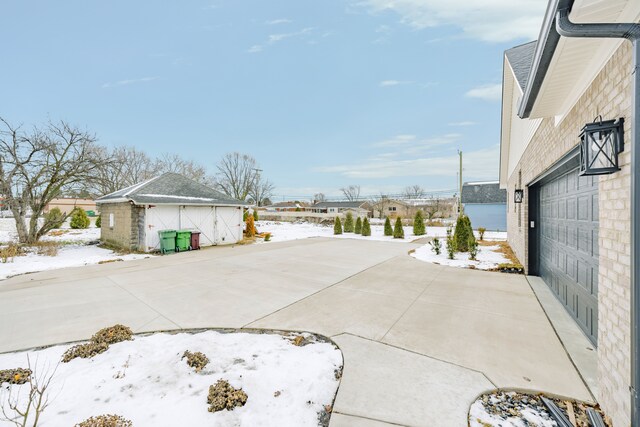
(228,225)
(200,218)
(160,218)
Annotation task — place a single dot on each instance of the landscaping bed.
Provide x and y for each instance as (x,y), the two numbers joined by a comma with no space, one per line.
(185,378)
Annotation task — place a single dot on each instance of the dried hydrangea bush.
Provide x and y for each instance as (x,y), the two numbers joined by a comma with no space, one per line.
(108,420)
(113,334)
(222,396)
(15,376)
(84,351)
(196,360)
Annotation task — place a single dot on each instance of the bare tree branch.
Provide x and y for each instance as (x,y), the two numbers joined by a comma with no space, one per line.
(351,192)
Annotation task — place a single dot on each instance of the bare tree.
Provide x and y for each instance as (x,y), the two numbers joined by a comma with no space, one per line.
(237,175)
(261,190)
(38,166)
(319,197)
(432,208)
(37,399)
(351,192)
(176,164)
(380,204)
(126,166)
(414,192)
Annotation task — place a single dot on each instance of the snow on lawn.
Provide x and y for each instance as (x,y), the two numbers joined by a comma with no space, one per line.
(147,382)
(68,256)
(283,231)
(487,258)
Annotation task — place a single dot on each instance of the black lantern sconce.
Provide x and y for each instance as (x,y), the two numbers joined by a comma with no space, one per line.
(600,144)
(518,196)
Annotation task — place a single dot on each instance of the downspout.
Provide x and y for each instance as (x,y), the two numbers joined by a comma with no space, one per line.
(629,32)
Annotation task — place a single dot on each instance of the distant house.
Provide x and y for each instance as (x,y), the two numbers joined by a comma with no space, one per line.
(391,208)
(358,207)
(67,204)
(287,207)
(133,216)
(485,203)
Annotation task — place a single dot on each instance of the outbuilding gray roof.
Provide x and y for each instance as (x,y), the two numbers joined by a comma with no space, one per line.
(170,189)
(483,192)
(521,60)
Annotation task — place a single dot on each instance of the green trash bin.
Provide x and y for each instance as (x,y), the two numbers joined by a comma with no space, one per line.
(183,240)
(167,241)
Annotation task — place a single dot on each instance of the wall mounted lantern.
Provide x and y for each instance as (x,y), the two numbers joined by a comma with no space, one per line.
(600,144)
(518,196)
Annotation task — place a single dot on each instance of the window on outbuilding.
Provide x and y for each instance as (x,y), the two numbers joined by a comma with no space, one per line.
(111,220)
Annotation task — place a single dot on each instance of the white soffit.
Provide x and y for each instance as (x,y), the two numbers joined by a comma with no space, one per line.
(577,62)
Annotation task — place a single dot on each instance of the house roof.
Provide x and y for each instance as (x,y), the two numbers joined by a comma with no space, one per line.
(483,193)
(170,189)
(521,60)
(347,204)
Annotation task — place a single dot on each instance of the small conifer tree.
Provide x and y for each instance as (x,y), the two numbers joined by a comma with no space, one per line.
(337,226)
(481,232)
(255,215)
(250,229)
(358,227)
(398,231)
(99,221)
(451,244)
(366,227)
(473,248)
(348,223)
(388,231)
(463,233)
(418,224)
(54,217)
(245,215)
(436,246)
(79,219)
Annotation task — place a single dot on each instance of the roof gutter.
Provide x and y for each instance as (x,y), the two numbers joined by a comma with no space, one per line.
(631,32)
(545,49)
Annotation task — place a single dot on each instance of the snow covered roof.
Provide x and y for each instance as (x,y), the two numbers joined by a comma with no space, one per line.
(344,204)
(170,189)
(483,192)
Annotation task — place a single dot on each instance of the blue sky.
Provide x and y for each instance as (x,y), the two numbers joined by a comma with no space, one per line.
(379,93)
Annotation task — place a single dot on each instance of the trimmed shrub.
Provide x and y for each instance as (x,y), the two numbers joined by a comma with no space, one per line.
(436,246)
(358,227)
(79,219)
(481,232)
(388,231)
(337,226)
(250,227)
(255,215)
(450,244)
(108,420)
(15,376)
(55,217)
(463,233)
(366,227)
(99,221)
(196,360)
(398,231)
(113,334)
(418,224)
(245,214)
(222,396)
(84,351)
(348,223)
(267,237)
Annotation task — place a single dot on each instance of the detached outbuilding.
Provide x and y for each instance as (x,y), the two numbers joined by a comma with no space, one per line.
(132,217)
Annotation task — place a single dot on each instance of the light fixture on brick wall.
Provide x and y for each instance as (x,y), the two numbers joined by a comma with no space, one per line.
(600,144)
(518,195)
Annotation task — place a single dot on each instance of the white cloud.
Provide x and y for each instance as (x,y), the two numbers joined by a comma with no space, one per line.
(463,123)
(387,83)
(487,20)
(255,48)
(490,92)
(278,21)
(129,82)
(479,164)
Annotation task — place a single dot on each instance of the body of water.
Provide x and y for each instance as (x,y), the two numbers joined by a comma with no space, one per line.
(488,215)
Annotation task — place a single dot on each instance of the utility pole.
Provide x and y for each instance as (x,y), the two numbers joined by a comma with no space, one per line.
(460,208)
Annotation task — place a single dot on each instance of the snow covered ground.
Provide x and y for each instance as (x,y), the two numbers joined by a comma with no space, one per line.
(147,382)
(68,256)
(283,231)
(487,257)
(74,250)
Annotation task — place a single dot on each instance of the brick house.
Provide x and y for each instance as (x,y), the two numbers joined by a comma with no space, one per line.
(573,230)
(132,217)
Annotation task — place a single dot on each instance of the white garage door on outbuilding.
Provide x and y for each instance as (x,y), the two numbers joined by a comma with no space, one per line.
(171,202)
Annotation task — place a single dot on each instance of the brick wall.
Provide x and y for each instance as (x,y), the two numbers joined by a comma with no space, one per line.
(610,96)
(124,233)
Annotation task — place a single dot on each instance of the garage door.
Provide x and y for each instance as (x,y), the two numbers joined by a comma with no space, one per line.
(228,225)
(200,218)
(569,245)
(160,218)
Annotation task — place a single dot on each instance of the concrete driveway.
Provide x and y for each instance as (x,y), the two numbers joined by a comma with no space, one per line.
(420,341)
